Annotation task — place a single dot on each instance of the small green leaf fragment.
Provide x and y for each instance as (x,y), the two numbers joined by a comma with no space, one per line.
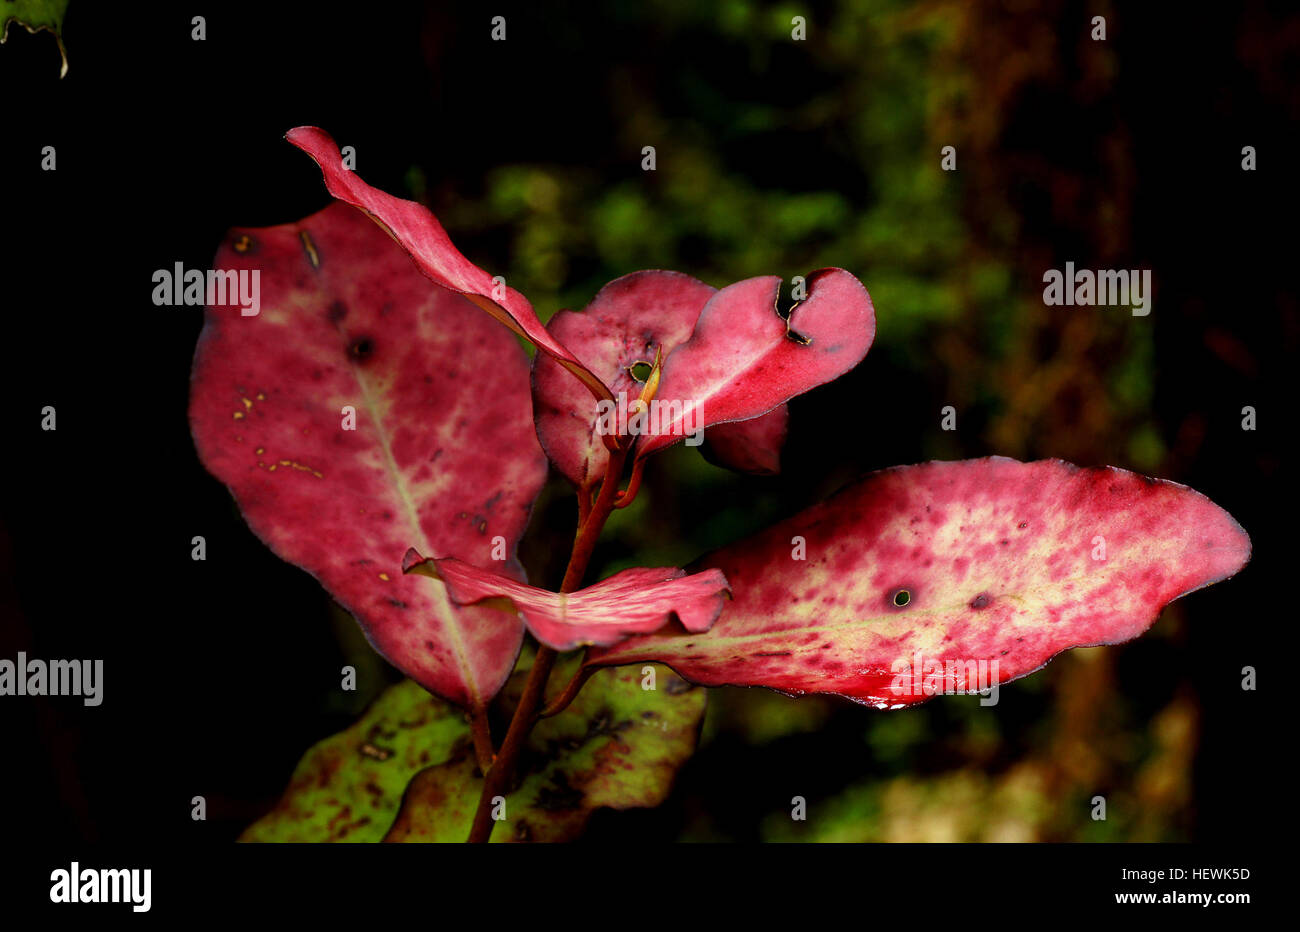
(348,786)
(34,16)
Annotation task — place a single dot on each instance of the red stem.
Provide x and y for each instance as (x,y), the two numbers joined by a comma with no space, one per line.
(497,779)
(569,693)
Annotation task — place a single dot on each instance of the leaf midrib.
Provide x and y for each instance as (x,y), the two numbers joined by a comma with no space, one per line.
(447,613)
(1021,596)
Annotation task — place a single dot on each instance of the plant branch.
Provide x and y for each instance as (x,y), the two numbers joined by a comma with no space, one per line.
(481,731)
(498,777)
(569,693)
(589,531)
(584,506)
(626,497)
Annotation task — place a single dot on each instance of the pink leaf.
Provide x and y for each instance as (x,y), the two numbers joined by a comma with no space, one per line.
(986,567)
(418,231)
(627,321)
(752,446)
(739,356)
(635,601)
(365,408)
(743,359)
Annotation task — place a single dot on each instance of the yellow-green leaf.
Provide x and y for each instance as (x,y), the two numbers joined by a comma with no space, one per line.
(348,786)
(619,745)
(34,16)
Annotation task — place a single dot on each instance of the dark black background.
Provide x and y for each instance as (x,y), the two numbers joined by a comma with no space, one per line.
(215,670)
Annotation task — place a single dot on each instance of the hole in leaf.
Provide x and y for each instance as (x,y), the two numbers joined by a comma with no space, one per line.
(797,337)
(785,302)
(640,370)
(361,349)
(901,597)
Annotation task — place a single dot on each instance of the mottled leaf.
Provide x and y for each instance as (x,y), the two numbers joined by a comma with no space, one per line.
(348,787)
(635,601)
(418,231)
(365,409)
(618,745)
(36,16)
(630,320)
(743,359)
(624,325)
(986,562)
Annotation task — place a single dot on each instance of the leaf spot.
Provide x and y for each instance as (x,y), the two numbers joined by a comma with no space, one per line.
(361,348)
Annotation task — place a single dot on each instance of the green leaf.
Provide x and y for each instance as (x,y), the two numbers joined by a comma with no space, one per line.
(617,745)
(348,786)
(35,15)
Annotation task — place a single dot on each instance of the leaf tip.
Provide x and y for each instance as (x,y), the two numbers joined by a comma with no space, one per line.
(412,562)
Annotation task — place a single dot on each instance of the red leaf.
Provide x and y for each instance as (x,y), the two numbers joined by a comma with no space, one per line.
(743,360)
(985,560)
(443,450)
(418,231)
(751,371)
(627,321)
(752,446)
(635,601)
